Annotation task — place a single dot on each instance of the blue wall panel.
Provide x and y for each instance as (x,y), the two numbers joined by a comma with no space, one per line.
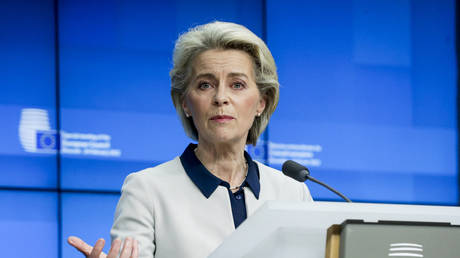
(368,93)
(28,96)
(88,216)
(28,224)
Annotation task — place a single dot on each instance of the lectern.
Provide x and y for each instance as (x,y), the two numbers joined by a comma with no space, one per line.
(295,229)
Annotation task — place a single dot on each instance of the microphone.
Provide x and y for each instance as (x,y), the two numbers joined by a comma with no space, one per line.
(301,173)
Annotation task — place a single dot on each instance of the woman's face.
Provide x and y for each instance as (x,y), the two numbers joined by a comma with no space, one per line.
(223,98)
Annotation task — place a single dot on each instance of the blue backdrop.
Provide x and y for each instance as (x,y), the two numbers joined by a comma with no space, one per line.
(368,102)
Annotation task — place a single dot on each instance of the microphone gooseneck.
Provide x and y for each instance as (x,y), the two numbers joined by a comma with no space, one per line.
(301,173)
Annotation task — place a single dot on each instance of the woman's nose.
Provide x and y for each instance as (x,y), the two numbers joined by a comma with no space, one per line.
(220,98)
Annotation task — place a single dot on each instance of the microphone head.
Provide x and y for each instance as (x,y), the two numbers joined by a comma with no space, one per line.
(295,170)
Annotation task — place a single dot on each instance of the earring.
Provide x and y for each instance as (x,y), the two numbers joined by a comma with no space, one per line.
(258,114)
(187,115)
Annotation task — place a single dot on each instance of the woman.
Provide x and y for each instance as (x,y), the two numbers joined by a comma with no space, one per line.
(224,88)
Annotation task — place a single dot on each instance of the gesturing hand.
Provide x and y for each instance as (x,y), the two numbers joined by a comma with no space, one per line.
(130,248)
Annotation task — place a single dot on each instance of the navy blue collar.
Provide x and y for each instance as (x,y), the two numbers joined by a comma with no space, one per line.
(207,182)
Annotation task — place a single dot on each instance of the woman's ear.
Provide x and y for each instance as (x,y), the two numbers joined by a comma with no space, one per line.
(185,108)
(261,105)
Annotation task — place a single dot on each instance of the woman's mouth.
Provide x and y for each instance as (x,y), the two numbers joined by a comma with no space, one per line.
(222,118)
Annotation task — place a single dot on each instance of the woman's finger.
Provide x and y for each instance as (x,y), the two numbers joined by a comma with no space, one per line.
(97,249)
(114,249)
(80,245)
(127,248)
(135,253)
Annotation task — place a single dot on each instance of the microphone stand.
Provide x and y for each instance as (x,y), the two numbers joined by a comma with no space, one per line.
(328,187)
(301,173)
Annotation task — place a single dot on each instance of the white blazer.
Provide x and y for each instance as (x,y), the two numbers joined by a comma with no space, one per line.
(165,211)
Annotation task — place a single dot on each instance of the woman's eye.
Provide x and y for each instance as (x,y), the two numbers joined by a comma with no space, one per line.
(204,85)
(238,85)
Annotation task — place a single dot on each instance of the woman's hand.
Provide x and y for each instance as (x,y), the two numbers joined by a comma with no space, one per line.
(130,248)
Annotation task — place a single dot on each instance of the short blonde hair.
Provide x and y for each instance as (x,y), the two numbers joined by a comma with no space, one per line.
(224,35)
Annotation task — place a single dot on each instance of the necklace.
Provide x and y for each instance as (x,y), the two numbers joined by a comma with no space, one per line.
(245,176)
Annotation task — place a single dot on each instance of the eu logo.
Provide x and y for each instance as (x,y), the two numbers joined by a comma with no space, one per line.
(47,140)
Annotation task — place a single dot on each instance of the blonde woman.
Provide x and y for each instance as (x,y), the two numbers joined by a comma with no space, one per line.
(224,88)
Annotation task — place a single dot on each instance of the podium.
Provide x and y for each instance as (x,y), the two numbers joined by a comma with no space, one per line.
(296,229)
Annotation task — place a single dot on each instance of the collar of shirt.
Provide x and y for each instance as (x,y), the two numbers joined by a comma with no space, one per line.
(207,182)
